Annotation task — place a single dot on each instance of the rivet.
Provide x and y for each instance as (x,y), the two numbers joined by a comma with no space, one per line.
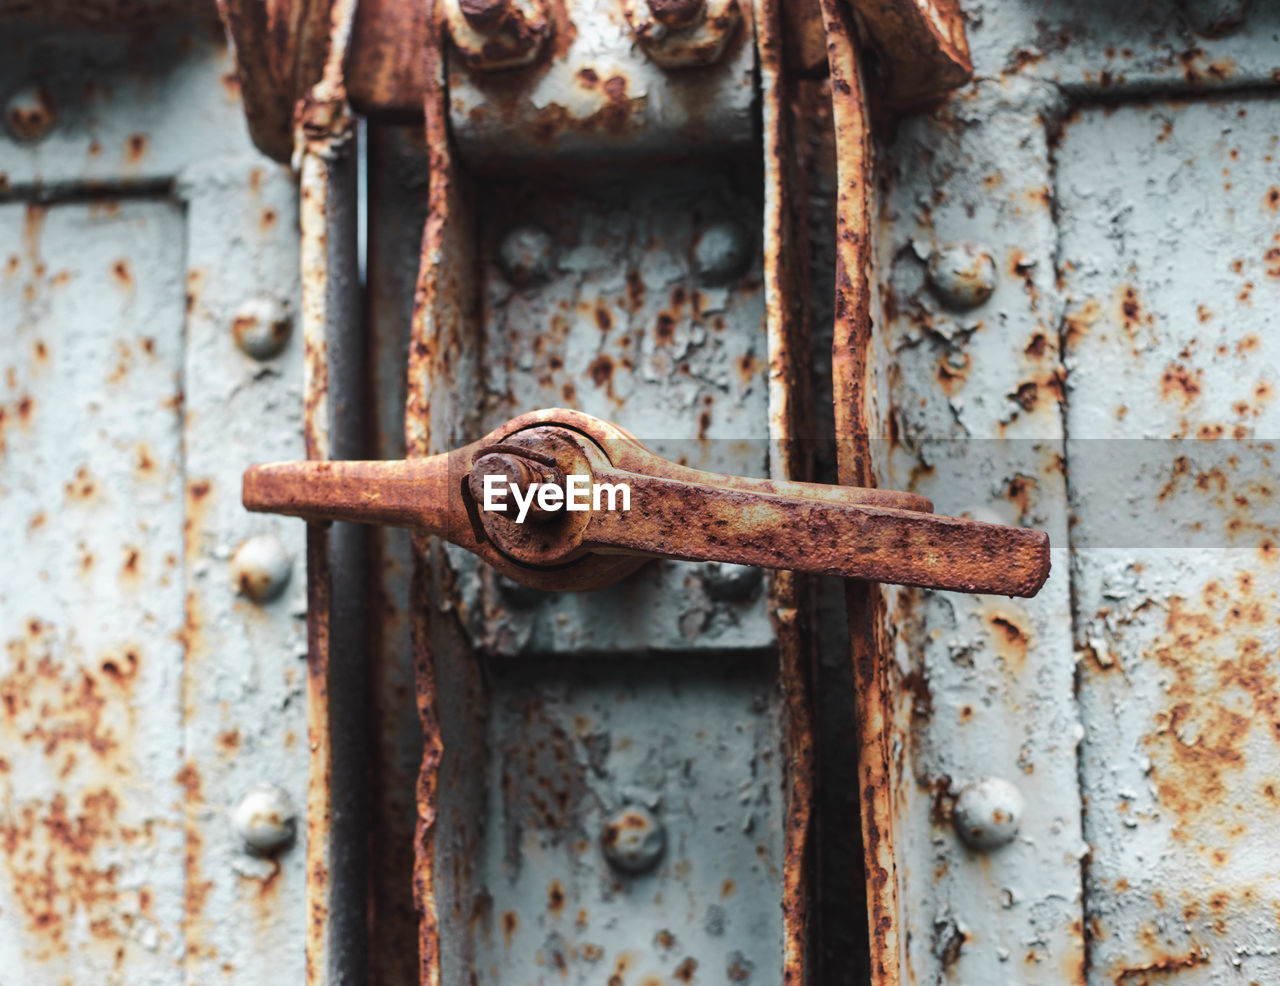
(987,813)
(633,839)
(265,820)
(728,582)
(721,252)
(527,256)
(28,113)
(260,568)
(261,327)
(963,275)
(1214,18)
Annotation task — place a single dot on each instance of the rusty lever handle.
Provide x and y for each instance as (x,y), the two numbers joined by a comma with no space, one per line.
(671,511)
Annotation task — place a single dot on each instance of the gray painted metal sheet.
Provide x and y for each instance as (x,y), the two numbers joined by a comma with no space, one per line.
(244,674)
(1171,271)
(986,684)
(92,486)
(146,692)
(1099,48)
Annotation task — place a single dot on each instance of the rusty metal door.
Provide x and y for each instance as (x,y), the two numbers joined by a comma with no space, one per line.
(1018,260)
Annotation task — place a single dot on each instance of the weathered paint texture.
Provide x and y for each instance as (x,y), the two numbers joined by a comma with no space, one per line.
(1129,244)
(985,685)
(240,654)
(1169,259)
(91,789)
(596,94)
(145,690)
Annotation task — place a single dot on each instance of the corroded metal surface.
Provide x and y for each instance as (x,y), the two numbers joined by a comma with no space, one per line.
(280,51)
(984,686)
(595,94)
(333,427)
(154,694)
(91,782)
(245,607)
(1097,47)
(921,43)
(126,110)
(855,421)
(1171,415)
(673,512)
(397,207)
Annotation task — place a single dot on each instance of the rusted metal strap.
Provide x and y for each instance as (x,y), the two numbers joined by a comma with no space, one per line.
(853,415)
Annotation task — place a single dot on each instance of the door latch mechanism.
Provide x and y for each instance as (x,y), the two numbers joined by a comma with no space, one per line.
(673,512)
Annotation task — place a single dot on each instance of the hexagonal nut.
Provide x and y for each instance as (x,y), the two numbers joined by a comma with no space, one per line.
(988,812)
(261,327)
(962,275)
(633,839)
(265,820)
(260,568)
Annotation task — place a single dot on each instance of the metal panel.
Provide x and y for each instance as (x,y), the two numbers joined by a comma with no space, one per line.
(103,107)
(147,692)
(1169,260)
(1098,47)
(242,655)
(91,789)
(984,686)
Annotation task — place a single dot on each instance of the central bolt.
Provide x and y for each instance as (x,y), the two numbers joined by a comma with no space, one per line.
(675,13)
(516,471)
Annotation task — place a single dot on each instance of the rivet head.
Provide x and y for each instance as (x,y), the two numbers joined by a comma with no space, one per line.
(728,582)
(260,568)
(28,113)
(261,327)
(265,820)
(721,252)
(963,275)
(987,813)
(633,839)
(527,256)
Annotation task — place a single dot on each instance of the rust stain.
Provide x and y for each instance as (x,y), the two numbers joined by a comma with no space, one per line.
(135,148)
(1179,383)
